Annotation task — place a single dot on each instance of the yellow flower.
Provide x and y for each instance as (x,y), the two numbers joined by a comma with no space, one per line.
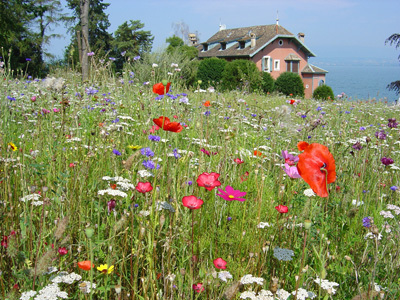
(136,147)
(105,269)
(12,146)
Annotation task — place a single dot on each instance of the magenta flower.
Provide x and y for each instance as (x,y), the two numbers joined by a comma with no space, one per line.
(292,172)
(387,161)
(289,158)
(219,263)
(208,180)
(230,194)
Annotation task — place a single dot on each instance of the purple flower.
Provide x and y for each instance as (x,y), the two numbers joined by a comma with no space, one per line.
(362,128)
(253,115)
(91,91)
(292,172)
(189,182)
(387,161)
(149,164)
(229,218)
(207,113)
(289,158)
(393,188)
(154,138)
(116,152)
(112,58)
(90,53)
(147,151)
(136,57)
(28,59)
(392,123)
(367,222)
(115,121)
(176,154)
(380,134)
(111,205)
(304,116)
(357,146)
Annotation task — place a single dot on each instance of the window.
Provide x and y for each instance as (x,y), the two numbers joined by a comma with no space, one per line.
(242,44)
(266,63)
(292,66)
(277,65)
(205,47)
(321,82)
(280,43)
(223,46)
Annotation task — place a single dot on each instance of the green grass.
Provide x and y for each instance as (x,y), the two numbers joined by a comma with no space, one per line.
(149,247)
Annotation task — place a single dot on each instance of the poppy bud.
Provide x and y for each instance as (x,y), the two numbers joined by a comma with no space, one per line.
(164,82)
(307,224)
(89,232)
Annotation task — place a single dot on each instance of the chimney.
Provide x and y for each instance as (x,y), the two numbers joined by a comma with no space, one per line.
(193,39)
(253,40)
(301,37)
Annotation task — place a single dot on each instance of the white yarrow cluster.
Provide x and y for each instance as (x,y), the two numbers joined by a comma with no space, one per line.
(302,294)
(125,186)
(64,277)
(86,287)
(386,214)
(309,193)
(116,178)
(144,173)
(395,208)
(112,192)
(327,285)
(262,295)
(224,275)
(263,225)
(249,279)
(34,197)
(55,84)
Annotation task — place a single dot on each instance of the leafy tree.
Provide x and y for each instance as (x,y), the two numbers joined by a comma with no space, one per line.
(242,74)
(323,92)
(268,83)
(177,44)
(394,39)
(290,83)
(210,71)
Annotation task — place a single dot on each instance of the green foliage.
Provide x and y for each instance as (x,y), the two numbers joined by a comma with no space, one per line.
(210,71)
(241,74)
(323,92)
(177,44)
(268,83)
(394,39)
(290,83)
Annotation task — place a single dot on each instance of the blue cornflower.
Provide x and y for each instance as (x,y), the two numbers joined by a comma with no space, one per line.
(253,115)
(207,113)
(131,74)
(347,112)
(11,98)
(393,188)
(319,108)
(362,128)
(367,222)
(189,182)
(91,91)
(136,205)
(176,154)
(304,116)
(229,218)
(116,152)
(154,138)
(112,58)
(115,121)
(136,57)
(147,151)
(149,164)
(28,59)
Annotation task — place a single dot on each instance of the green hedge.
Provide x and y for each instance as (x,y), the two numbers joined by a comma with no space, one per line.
(210,71)
(323,92)
(290,83)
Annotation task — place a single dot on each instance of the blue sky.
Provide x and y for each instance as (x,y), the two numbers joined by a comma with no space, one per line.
(335,30)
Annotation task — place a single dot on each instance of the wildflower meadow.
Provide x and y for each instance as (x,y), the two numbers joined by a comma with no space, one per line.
(132,186)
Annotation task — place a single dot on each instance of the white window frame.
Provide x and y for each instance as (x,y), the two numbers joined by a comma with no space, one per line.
(277,65)
(266,64)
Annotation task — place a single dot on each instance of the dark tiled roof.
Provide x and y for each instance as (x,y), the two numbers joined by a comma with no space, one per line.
(265,34)
(292,56)
(313,69)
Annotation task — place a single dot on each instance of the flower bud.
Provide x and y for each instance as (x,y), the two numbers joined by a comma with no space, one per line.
(164,82)
(307,224)
(89,232)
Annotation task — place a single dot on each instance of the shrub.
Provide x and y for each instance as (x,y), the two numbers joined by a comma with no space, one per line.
(323,92)
(210,71)
(268,83)
(241,74)
(290,83)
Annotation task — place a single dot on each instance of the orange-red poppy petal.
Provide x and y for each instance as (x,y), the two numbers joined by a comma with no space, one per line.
(174,127)
(302,145)
(161,122)
(85,265)
(158,88)
(312,164)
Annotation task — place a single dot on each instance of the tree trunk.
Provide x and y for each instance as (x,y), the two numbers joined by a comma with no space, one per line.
(85,38)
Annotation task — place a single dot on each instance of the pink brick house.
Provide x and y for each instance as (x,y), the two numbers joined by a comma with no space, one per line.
(273,49)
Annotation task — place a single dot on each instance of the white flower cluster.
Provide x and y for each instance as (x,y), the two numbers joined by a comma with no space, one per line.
(34,197)
(302,294)
(283,254)
(309,193)
(125,186)
(64,277)
(52,83)
(144,173)
(116,178)
(262,295)
(386,214)
(112,192)
(263,225)
(86,286)
(49,292)
(249,279)
(327,285)
(370,235)
(395,208)
(224,275)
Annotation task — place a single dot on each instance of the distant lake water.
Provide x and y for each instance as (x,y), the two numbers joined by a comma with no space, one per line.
(362,81)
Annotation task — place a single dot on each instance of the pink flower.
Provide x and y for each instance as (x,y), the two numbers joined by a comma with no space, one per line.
(208,153)
(289,158)
(198,287)
(56,110)
(192,202)
(144,187)
(72,165)
(208,180)
(282,209)
(219,263)
(292,172)
(62,251)
(111,205)
(230,194)
(238,161)
(33,98)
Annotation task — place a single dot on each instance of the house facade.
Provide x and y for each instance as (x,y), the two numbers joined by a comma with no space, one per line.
(271,47)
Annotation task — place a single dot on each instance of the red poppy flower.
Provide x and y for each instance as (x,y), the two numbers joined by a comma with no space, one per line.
(198,287)
(207,104)
(219,263)
(257,153)
(292,101)
(167,125)
(85,265)
(192,202)
(282,209)
(158,88)
(144,187)
(316,166)
(113,186)
(208,180)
